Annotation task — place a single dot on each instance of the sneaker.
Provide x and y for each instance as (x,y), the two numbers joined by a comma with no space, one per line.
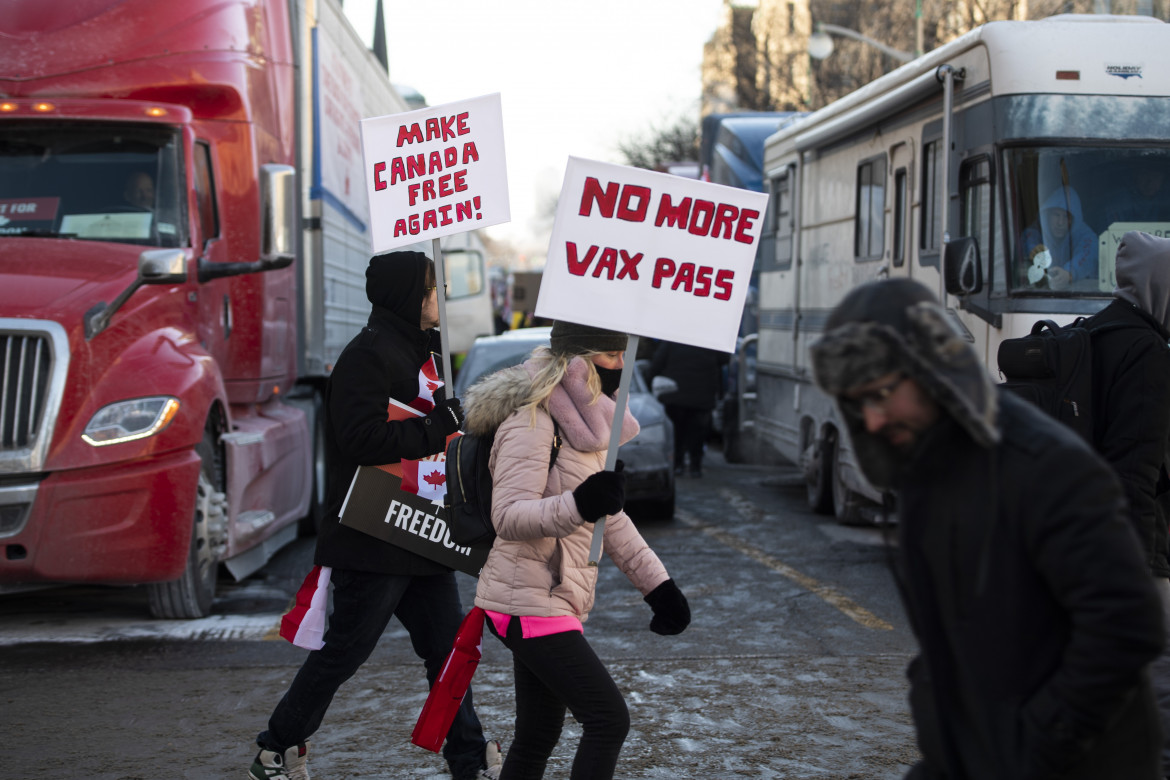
(493,757)
(291,765)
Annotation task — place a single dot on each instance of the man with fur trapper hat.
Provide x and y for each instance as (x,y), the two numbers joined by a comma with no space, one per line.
(1021,575)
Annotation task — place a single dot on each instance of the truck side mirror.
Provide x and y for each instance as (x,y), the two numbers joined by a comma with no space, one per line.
(962,271)
(162,266)
(155,266)
(278,209)
(278,229)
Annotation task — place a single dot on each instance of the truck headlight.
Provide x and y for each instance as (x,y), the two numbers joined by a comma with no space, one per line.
(130,420)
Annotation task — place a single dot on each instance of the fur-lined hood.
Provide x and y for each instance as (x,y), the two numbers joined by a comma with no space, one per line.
(585,426)
(493,398)
(898,325)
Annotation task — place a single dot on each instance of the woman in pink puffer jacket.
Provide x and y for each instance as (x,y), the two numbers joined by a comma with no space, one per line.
(537,586)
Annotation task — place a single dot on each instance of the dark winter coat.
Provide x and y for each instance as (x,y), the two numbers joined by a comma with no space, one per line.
(1024,585)
(697,371)
(1131,416)
(1022,577)
(380,363)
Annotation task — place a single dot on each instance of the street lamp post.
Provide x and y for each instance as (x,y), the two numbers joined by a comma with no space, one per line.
(820,43)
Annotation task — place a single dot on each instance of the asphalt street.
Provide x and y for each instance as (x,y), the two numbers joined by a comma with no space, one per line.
(792,667)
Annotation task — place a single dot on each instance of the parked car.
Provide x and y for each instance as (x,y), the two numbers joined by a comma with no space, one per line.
(648,458)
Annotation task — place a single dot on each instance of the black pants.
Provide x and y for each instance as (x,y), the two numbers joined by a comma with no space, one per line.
(553,674)
(691,427)
(363,604)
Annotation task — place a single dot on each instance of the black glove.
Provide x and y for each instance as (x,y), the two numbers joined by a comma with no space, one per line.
(448,415)
(671,612)
(601,494)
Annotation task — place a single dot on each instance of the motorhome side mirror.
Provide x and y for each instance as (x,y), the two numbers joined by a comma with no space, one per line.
(162,266)
(278,214)
(962,271)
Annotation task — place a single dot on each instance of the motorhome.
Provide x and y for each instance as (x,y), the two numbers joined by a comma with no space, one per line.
(1001,170)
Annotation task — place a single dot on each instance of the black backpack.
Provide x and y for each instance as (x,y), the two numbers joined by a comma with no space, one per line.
(1053,368)
(469,487)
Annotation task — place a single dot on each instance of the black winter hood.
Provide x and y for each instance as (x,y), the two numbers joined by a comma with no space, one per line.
(898,325)
(396,282)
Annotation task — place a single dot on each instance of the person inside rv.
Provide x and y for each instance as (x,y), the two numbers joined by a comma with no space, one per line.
(1059,249)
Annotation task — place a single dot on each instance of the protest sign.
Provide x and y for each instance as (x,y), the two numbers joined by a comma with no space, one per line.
(651,254)
(435,172)
(401,503)
(378,505)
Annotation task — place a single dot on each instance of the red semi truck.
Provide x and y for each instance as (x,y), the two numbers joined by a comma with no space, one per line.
(182,256)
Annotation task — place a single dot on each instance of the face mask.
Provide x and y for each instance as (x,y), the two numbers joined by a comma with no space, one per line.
(611,378)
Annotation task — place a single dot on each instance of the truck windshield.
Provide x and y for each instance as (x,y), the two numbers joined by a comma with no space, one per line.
(104,182)
(1068,207)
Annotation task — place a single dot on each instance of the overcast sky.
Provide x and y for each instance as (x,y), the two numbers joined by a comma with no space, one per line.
(575,77)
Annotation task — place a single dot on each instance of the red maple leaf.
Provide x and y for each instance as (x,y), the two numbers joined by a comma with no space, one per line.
(432,386)
(436,478)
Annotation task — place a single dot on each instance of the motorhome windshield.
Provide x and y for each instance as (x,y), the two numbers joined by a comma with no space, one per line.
(1068,207)
(98,182)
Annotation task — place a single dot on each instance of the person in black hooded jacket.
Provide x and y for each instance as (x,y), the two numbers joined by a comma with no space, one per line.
(698,372)
(1021,576)
(372,579)
(1131,411)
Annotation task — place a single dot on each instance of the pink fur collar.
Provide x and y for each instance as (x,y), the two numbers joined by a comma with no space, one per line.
(586,427)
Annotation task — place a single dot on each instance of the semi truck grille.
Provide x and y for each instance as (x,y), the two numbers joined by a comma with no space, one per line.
(34,355)
(27,370)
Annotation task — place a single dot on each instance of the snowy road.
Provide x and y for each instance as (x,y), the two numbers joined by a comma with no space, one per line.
(792,668)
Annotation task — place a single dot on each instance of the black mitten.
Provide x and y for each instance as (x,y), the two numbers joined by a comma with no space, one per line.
(601,494)
(448,415)
(671,612)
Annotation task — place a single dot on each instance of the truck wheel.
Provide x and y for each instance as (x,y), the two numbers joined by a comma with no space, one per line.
(819,474)
(310,524)
(191,595)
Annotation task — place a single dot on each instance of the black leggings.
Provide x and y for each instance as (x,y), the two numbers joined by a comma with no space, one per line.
(553,674)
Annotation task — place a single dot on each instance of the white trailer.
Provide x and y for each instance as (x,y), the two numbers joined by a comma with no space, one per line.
(339,83)
(940,172)
(346,84)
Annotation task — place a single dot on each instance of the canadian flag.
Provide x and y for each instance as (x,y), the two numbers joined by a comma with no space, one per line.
(428,383)
(451,685)
(426,479)
(304,624)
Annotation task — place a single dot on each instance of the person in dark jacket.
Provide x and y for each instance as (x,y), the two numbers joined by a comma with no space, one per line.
(698,372)
(372,579)
(1019,571)
(1131,410)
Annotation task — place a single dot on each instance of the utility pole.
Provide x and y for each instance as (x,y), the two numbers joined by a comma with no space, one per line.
(918,30)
